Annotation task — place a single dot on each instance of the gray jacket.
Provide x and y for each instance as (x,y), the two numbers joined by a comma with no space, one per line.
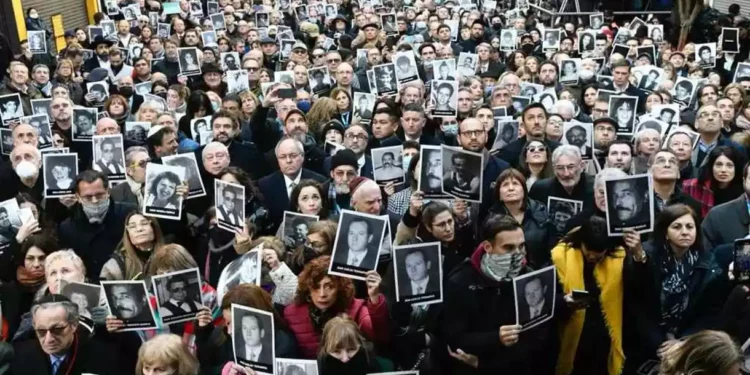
(725,223)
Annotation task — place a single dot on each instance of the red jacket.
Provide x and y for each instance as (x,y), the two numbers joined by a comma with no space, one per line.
(371,318)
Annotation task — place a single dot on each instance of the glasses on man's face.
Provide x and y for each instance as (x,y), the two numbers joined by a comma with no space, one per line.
(140,164)
(355,137)
(473,133)
(317,56)
(54,331)
(709,114)
(563,168)
(330,61)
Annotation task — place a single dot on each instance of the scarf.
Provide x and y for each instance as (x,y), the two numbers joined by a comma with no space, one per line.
(675,285)
(46,89)
(319,317)
(359,364)
(742,122)
(608,275)
(136,188)
(29,279)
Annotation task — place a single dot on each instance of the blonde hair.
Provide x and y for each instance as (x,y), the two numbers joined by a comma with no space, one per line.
(170,257)
(147,105)
(321,112)
(167,350)
(63,62)
(705,352)
(341,332)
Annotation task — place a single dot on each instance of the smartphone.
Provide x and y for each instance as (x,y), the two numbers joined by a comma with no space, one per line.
(742,260)
(287,93)
(580,294)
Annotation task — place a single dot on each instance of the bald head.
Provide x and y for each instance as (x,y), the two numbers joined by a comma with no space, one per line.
(107,126)
(125,81)
(366,198)
(25,134)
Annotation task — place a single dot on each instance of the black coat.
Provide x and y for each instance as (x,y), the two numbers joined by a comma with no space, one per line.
(273,188)
(538,231)
(474,309)
(550,187)
(94,243)
(85,356)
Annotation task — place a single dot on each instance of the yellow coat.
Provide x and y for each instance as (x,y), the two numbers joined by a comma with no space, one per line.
(608,274)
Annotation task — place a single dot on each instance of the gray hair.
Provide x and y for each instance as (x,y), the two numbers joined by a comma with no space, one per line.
(71,310)
(130,153)
(37,153)
(607,174)
(564,104)
(67,255)
(39,66)
(566,150)
(213,144)
(297,143)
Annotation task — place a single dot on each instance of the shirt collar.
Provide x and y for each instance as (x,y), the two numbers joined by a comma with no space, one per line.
(288,181)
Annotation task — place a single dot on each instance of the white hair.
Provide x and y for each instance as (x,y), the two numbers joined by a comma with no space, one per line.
(211,145)
(566,150)
(297,143)
(564,104)
(37,153)
(66,254)
(607,174)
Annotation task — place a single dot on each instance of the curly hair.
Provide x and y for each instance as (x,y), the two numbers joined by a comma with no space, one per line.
(320,113)
(313,274)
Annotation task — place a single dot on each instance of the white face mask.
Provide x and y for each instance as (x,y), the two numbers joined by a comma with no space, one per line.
(26,169)
(586,74)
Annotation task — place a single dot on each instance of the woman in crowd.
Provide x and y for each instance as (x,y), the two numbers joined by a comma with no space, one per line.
(148,112)
(214,343)
(647,141)
(146,33)
(705,352)
(513,200)
(176,96)
(309,198)
(322,111)
(198,105)
(588,98)
(554,128)
(515,61)
(344,350)
(166,354)
(30,275)
(160,88)
(343,105)
(535,162)
(653,99)
(681,288)
(742,121)
(65,75)
(735,92)
(320,238)
(250,103)
(591,332)
(276,276)
(532,66)
(118,109)
(720,179)
(255,210)
(320,297)
(141,236)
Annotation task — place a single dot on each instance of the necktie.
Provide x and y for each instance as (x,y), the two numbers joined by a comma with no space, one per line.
(419,290)
(56,365)
(355,261)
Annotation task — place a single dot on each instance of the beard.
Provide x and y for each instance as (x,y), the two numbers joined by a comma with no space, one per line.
(341,189)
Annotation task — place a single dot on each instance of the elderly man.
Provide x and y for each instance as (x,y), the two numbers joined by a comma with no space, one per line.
(25,134)
(355,139)
(18,83)
(277,187)
(600,200)
(569,182)
(107,126)
(95,227)
(344,169)
(60,348)
(664,166)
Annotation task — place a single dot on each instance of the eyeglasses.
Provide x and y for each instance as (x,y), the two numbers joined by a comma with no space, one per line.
(54,331)
(140,164)
(334,61)
(252,69)
(536,148)
(317,56)
(473,133)
(563,168)
(709,114)
(354,137)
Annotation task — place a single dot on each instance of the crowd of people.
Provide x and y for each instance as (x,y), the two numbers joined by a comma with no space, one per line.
(216,154)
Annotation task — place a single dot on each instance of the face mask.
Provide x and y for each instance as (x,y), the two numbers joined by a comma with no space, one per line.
(162,95)
(304,105)
(215,106)
(421,26)
(26,169)
(528,48)
(96,211)
(586,74)
(34,16)
(488,90)
(451,129)
(502,266)
(497,26)
(126,91)
(406,161)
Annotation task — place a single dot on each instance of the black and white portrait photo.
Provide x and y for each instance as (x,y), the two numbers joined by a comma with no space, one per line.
(385,79)
(286,366)
(743,70)
(109,156)
(462,173)
(60,171)
(331,11)
(134,50)
(418,273)
(551,40)
(253,339)
(261,19)
(684,90)
(431,172)
(520,102)
(745,365)
(730,40)
(705,55)
(178,295)
(217,20)
(163,30)
(742,260)
(560,210)
(363,105)
(453,24)
(229,201)
(95,31)
(581,136)
(40,107)
(84,123)
(196,8)
(301,12)
(623,109)
(41,124)
(535,297)
(357,244)
(85,296)
(6,140)
(295,228)
(246,269)
(112,8)
(630,204)
(406,67)
(136,131)
(192,174)
(99,90)
(285,76)
(143,88)
(467,63)
(320,79)
(656,32)
(200,126)
(569,71)
(237,81)
(668,113)
(10,222)
(596,21)
(508,39)
(160,191)
(285,48)
(128,302)
(649,82)
(388,21)
(230,61)
(37,41)
(586,41)
(444,98)
(444,70)
(604,81)
(188,61)
(209,38)
(11,108)
(387,165)
(654,124)
(548,98)
(507,132)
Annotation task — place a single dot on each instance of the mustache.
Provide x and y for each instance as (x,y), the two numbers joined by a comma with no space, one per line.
(623,208)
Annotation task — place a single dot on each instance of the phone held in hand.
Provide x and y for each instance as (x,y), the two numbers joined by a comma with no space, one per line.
(580,295)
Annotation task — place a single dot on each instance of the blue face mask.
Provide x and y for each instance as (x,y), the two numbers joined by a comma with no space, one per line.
(488,91)
(405,161)
(216,106)
(304,105)
(450,129)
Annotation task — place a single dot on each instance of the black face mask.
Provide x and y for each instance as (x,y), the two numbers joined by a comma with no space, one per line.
(528,49)
(356,365)
(497,26)
(162,95)
(126,91)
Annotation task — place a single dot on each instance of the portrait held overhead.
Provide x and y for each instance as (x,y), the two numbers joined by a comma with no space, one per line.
(161,196)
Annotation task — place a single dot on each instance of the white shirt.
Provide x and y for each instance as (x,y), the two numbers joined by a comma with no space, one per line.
(355,258)
(253,352)
(288,182)
(361,162)
(419,287)
(728,61)
(535,311)
(105,65)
